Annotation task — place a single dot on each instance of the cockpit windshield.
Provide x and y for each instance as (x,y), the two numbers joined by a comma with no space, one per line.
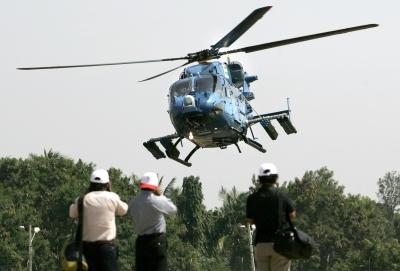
(207,82)
(199,83)
(181,87)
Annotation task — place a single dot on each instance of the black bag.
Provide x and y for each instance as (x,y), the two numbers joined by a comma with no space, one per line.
(73,259)
(291,242)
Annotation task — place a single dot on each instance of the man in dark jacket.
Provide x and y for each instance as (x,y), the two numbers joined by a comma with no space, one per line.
(262,210)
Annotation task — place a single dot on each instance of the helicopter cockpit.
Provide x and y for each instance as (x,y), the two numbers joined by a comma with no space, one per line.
(206,82)
(181,87)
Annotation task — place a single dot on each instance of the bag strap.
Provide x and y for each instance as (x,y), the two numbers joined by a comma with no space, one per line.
(79,232)
(79,229)
(280,207)
(280,212)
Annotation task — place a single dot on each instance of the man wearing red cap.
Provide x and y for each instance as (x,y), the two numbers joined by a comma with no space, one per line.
(148,210)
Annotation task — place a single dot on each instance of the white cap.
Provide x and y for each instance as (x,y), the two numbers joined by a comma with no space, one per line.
(99,176)
(267,169)
(149,181)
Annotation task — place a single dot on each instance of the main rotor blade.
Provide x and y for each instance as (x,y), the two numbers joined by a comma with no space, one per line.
(155,76)
(103,64)
(269,45)
(241,28)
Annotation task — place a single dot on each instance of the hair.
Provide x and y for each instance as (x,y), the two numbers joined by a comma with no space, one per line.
(271,179)
(98,187)
(147,189)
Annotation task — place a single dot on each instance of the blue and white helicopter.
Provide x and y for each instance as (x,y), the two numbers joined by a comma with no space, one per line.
(209,104)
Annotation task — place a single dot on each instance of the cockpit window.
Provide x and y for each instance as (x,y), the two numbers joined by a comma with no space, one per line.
(207,82)
(237,74)
(199,83)
(181,87)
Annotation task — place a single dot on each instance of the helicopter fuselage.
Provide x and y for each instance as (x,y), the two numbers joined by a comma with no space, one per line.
(206,107)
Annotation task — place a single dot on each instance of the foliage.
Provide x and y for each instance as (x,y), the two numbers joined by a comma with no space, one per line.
(389,191)
(192,211)
(396,225)
(352,232)
(345,228)
(38,191)
(230,230)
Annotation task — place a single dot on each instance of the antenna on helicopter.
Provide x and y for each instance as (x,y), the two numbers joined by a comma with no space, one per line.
(288,106)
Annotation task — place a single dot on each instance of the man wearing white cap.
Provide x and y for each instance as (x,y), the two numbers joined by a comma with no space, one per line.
(262,210)
(100,206)
(148,210)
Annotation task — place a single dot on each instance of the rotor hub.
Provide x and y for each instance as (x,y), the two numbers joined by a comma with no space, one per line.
(204,55)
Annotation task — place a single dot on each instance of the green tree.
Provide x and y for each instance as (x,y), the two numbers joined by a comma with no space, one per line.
(191,233)
(126,188)
(346,228)
(396,225)
(353,233)
(40,190)
(379,255)
(192,211)
(319,202)
(232,238)
(389,191)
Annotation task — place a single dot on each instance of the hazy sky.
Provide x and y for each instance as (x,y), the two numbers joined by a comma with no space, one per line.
(344,89)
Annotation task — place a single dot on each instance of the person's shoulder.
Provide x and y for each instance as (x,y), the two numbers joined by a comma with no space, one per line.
(106,194)
(252,195)
(113,194)
(281,193)
(158,198)
(285,197)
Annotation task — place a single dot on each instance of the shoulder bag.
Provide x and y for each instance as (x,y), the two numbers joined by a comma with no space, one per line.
(290,241)
(73,258)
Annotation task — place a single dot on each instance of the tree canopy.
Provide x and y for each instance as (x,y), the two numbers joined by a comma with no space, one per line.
(352,232)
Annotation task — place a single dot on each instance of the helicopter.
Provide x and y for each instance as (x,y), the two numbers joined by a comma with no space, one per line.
(209,104)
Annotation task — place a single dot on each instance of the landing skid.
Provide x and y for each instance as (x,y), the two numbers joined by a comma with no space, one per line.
(249,141)
(254,144)
(170,148)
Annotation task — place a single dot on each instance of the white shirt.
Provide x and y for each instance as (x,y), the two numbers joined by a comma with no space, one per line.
(99,210)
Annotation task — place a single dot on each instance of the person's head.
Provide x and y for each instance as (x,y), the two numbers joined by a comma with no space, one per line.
(99,181)
(149,181)
(268,174)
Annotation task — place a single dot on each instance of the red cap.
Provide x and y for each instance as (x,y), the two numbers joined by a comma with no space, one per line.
(149,181)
